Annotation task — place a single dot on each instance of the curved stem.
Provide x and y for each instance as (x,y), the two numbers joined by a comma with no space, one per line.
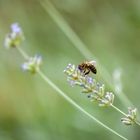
(48,81)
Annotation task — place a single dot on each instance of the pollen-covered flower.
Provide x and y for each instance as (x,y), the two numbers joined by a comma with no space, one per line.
(131,117)
(33,64)
(15,37)
(94,90)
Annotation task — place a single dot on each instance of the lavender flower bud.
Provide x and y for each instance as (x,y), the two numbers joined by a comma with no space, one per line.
(15,37)
(131,117)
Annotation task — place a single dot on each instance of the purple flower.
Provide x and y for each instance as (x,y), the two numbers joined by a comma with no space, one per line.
(15,28)
(89,80)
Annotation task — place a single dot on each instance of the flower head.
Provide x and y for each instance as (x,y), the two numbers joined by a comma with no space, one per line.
(33,64)
(94,90)
(131,117)
(15,37)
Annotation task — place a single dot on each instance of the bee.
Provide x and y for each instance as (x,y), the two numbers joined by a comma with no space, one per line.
(87,66)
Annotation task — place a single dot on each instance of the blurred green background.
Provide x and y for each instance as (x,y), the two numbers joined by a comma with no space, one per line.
(29,108)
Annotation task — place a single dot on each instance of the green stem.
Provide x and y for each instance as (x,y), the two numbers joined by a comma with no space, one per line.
(118,110)
(48,81)
(22,53)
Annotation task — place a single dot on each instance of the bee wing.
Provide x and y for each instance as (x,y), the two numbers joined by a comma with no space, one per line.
(93,62)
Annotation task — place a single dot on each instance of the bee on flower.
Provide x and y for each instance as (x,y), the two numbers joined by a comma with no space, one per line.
(88,66)
(78,75)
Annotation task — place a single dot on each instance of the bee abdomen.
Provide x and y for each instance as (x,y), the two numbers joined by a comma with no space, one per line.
(93,69)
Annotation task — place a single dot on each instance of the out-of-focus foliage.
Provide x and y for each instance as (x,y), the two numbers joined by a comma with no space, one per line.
(30,109)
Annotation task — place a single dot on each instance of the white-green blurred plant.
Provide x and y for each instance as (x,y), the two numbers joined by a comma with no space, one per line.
(14,40)
(117,80)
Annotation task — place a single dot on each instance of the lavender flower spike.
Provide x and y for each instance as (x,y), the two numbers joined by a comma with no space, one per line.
(94,90)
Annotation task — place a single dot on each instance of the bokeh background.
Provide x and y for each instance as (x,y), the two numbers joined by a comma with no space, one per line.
(29,108)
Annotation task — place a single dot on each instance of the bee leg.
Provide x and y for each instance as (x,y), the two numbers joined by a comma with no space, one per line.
(87,72)
(84,71)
